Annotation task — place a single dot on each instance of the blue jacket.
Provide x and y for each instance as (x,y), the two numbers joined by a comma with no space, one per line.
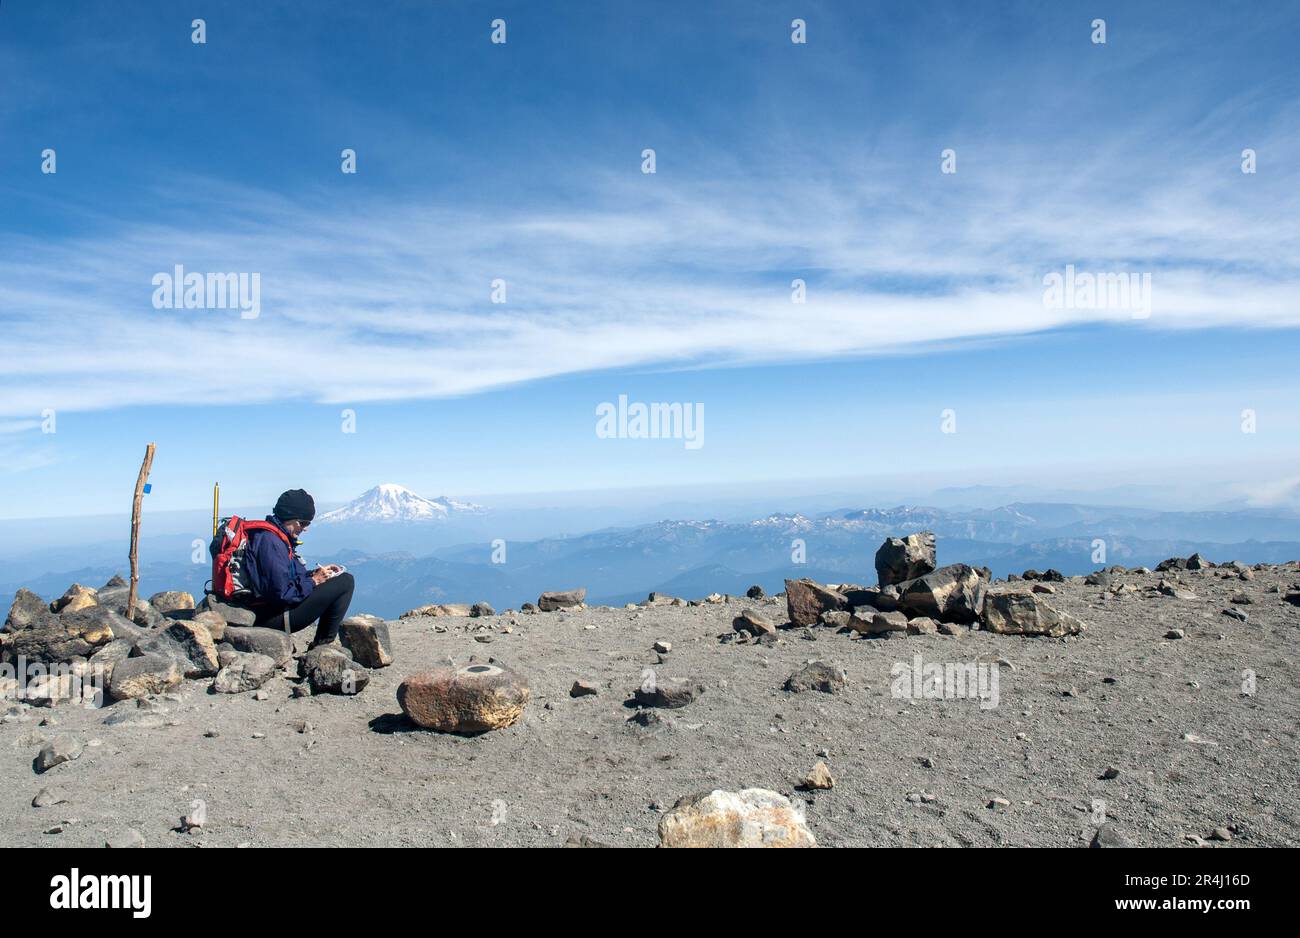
(275,573)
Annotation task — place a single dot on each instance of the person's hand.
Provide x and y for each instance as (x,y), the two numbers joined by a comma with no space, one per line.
(320,575)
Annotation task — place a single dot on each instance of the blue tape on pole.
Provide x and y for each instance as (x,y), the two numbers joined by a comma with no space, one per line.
(147,487)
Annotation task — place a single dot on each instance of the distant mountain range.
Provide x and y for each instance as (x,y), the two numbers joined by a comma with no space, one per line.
(394,504)
(401,560)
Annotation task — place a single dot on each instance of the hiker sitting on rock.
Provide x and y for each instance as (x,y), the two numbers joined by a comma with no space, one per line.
(290,597)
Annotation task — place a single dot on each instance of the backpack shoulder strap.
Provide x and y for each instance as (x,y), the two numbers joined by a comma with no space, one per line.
(268,526)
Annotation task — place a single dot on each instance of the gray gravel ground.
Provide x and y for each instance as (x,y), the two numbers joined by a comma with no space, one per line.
(349,771)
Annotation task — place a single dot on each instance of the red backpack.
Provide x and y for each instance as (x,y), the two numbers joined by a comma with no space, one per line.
(229,544)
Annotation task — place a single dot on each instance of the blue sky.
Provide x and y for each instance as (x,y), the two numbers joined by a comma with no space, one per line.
(522,161)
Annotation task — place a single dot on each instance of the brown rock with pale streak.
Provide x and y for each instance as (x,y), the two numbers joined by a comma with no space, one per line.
(755,623)
(806,600)
(471,699)
(754,817)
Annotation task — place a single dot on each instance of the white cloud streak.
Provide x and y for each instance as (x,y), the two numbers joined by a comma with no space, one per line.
(391,302)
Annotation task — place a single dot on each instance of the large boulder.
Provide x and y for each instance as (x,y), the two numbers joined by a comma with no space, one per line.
(329,670)
(905,558)
(753,817)
(242,671)
(472,699)
(566,599)
(366,637)
(806,600)
(28,610)
(1016,613)
(62,638)
(76,598)
(140,677)
(190,643)
(954,593)
(274,643)
(233,615)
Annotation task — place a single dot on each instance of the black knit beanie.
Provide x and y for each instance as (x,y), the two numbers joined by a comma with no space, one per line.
(295,505)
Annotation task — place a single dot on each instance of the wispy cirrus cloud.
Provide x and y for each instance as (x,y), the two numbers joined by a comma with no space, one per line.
(389,299)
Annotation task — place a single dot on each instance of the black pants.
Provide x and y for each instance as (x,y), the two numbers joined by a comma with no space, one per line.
(328,602)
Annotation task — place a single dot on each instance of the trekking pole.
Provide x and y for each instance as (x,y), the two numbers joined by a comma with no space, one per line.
(135,527)
(216,503)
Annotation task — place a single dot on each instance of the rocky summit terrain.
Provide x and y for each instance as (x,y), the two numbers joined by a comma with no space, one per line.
(931,708)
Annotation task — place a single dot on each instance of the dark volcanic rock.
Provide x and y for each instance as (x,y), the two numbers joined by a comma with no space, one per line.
(62,638)
(273,643)
(28,611)
(816,675)
(905,558)
(234,615)
(671,693)
(189,643)
(954,593)
(329,670)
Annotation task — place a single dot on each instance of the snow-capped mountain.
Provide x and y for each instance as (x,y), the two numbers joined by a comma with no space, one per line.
(395,503)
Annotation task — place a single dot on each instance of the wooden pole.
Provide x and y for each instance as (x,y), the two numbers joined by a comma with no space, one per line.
(216,505)
(135,528)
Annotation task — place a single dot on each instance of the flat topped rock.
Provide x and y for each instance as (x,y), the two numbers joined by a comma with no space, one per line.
(139,677)
(274,643)
(565,599)
(471,699)
(1026,613)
